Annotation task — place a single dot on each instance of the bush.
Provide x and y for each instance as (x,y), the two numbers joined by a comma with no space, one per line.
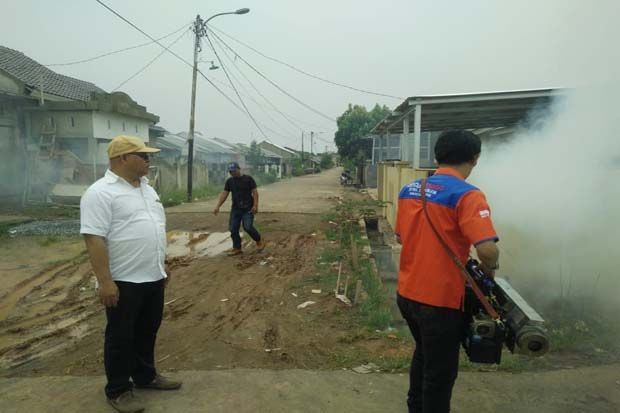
(327,161)
(262,178)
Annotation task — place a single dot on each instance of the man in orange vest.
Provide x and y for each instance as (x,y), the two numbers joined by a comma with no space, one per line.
(431,287)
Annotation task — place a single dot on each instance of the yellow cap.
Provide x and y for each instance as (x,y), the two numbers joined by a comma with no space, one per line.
(123,144)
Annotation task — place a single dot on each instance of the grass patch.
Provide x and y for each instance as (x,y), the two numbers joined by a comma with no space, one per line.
(47,241)
(346,243)
(177,197)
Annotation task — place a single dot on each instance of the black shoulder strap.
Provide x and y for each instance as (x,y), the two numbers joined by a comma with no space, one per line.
(483,299)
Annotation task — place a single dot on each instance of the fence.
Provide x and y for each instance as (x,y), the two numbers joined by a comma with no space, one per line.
(391,177)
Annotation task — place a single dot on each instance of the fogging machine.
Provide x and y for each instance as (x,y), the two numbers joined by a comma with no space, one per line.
(496,312)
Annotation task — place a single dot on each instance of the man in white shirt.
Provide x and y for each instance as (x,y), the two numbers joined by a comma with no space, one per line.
(124,227)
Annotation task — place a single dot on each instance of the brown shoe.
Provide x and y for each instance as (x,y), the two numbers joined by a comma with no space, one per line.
(161,383)
(127,403)
(260,245)
(233,251)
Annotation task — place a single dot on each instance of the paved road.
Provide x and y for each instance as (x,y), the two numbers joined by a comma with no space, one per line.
(585,390)
(304,194)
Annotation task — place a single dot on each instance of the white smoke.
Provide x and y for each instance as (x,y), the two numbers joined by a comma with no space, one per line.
(555,196)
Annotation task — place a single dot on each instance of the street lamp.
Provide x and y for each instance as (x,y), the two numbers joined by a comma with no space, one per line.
(200,29)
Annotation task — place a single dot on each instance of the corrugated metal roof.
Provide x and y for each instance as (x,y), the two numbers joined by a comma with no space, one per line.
(34,74)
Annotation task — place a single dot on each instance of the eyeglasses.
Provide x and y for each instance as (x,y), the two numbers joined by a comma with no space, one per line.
(143,155)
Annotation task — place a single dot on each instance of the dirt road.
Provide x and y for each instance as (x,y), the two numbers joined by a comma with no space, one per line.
(232,329)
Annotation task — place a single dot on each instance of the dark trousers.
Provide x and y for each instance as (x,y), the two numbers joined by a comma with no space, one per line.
(438,333)
(245,217)
(129,348)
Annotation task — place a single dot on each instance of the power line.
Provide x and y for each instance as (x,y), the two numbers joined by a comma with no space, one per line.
(169,51)
(274,107)
(304,72)
(271,81)
(151,61)
(232,102)
(115,51)
(234,88)
(178,57)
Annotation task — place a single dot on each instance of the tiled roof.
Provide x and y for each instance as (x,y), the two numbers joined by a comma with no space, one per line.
(33,74)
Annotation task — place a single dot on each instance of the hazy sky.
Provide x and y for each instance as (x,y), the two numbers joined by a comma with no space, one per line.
(398,47)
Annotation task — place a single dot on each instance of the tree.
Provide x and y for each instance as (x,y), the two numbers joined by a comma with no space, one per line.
(255,156)
(354,125)
(327,161)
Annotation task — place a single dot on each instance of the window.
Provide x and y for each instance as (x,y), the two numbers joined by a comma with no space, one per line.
(52,122)
(109,124)
(72,122)
(123,126)
(136,128)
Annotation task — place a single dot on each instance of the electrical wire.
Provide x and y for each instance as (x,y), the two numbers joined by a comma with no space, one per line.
(271,81)
(234,88)
(173,53)
(304,72)
(274,107)
(178,57)
(232,102)
(115,51)
(151,61)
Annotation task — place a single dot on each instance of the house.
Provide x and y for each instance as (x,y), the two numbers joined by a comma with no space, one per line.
(288,156)
(409,133)
(54,129)
(215,155)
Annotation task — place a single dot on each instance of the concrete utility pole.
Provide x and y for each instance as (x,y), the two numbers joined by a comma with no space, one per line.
(302,149)
(200,30)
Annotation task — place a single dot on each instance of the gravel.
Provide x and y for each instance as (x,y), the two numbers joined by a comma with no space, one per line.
(67,227)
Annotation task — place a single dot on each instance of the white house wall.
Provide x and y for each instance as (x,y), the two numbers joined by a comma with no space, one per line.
(107,125)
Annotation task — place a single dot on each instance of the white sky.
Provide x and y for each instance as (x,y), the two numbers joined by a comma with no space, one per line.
(399,47)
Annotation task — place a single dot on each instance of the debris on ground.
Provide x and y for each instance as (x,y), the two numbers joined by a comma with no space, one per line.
(366,368)
(343,298)
(305,304)
(317,291)
(294,295)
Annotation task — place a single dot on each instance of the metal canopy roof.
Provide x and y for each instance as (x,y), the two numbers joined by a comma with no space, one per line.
(466,111)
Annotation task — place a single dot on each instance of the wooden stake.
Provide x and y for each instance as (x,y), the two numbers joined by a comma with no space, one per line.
(338,280)
(358,292)
(354,257)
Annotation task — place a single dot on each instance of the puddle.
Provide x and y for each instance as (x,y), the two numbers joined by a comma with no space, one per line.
(197,243)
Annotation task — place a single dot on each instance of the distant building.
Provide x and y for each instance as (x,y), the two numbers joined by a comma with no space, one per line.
(288,156)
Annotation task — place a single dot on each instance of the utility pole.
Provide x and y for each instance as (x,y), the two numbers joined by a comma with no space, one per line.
(311,150)
(199,30)
(302,149)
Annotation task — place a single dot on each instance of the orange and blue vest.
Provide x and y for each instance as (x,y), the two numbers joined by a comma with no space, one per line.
(461,215)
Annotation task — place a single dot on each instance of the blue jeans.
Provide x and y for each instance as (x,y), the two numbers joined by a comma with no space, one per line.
(245,217)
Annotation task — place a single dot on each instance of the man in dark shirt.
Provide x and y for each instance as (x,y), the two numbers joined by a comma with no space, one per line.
(244,207)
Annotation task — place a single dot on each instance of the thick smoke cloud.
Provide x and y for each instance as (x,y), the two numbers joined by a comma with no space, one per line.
(555,194)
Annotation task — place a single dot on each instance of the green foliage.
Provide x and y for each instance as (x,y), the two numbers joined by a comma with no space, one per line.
(255,156)
(298,168)
(355,124)
(47,241)
(265,178)
(327,161)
